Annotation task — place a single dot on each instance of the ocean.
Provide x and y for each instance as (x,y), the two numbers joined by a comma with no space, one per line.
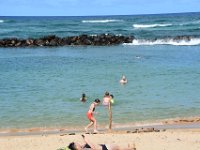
(41,86)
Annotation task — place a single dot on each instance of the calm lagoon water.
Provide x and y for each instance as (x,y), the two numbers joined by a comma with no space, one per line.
(42,86)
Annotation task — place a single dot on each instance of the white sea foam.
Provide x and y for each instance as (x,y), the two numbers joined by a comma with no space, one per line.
(101,21)
(1,21)
(150,25)
(193,41)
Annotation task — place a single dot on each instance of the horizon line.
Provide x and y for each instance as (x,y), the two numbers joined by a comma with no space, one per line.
(145,14)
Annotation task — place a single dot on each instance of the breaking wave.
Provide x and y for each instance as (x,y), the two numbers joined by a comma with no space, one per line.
(101,21)
(139,26)
(181,42)
(1,21)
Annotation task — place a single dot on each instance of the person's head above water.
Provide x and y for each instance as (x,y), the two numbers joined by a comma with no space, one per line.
(123,77)
(97,101)
(111,95)
(83,95)
(123,80)
(107,93)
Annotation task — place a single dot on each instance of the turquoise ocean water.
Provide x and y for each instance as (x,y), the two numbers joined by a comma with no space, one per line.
(41,87)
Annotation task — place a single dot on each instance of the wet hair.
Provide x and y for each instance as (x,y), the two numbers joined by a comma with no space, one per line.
(83,95)
(107,93)
(97,100)
(112,95)
(72,146)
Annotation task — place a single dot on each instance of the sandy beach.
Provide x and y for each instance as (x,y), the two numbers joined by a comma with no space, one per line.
(183,138)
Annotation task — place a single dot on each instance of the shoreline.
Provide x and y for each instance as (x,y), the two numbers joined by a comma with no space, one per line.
(172,123)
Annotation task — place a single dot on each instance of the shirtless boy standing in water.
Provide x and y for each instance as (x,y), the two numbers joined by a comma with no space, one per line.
(107,102)
(106,99)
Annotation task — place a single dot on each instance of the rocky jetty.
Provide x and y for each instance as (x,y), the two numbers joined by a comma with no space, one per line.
(53,41)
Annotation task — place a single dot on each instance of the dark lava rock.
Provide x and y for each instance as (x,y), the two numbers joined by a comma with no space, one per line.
(53,40)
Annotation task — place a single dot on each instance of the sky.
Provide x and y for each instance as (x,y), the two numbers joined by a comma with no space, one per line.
(95,7)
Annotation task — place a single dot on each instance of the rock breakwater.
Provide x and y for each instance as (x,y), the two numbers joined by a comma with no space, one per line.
(53,41)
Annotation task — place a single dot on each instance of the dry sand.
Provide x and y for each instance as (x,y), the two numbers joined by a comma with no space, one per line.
(173,134)
(170,139)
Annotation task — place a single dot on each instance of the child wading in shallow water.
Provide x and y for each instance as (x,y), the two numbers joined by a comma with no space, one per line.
(107,100)
(91,117)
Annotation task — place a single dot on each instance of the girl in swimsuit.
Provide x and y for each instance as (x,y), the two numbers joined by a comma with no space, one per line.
(91,117)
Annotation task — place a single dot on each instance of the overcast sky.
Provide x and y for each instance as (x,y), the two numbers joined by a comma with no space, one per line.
(95,7)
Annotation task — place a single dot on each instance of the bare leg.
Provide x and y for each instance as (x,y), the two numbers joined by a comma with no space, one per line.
(89,125)
(95,124)
(116,147)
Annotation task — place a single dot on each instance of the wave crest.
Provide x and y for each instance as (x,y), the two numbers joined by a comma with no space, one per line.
(169,41)
(101,21)
(150,25)
(1,21)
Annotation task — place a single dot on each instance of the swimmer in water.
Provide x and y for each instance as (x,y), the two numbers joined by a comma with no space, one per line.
(83,98)
(123,80)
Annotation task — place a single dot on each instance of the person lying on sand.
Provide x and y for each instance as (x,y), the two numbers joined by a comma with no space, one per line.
(90,146)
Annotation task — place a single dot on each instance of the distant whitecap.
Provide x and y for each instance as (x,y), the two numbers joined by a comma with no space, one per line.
(101,21)
(150,25)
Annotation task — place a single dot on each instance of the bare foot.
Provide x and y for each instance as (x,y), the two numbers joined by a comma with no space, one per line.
(86,129)
(96,131)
